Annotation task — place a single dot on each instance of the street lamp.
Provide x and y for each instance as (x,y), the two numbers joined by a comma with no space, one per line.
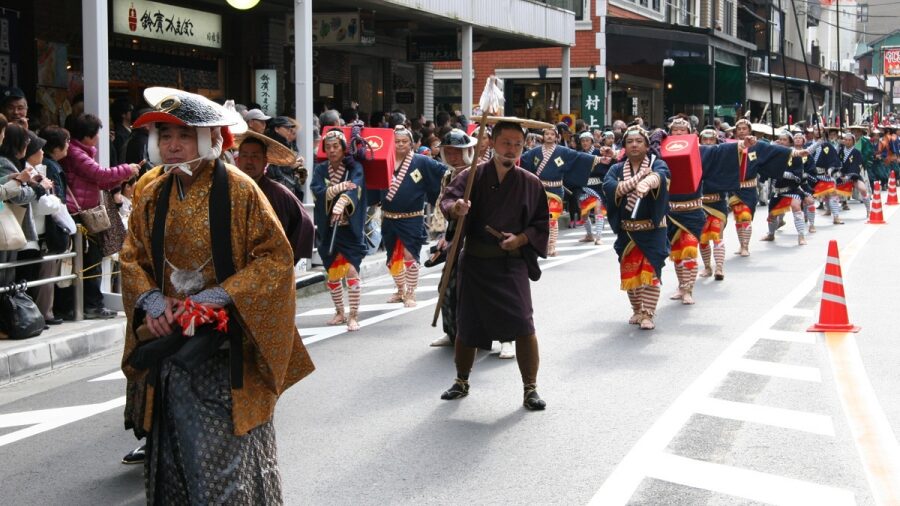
(667,62)
(592,73)
(243,4)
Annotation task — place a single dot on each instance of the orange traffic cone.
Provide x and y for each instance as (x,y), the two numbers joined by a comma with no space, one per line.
(876,215)
(892,190)
(833,309)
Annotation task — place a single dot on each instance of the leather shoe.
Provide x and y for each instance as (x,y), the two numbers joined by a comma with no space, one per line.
(53,321)
(99,314)
(135,456)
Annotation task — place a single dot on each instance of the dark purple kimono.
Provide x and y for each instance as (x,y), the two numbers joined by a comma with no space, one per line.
(296,222)
(493,290)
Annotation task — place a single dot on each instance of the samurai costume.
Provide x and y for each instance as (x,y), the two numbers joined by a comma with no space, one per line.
(416,182)
(721,173)
(349,240)
(591,201)
(788,188)
(827,163)
(555,166)
(493,287)
(852,168)
(206,403)
(642,244)
(762,158)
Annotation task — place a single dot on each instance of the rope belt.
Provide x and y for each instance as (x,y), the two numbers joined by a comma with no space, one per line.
(685,205)
(594,181)
(480,249)
(552,184)
(399,216)
(640,225)
(750,183)
(711,197)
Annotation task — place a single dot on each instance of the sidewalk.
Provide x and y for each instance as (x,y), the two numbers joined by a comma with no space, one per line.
(73,342)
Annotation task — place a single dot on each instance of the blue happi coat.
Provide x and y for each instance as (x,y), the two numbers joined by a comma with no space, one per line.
(565,166)
(350,238)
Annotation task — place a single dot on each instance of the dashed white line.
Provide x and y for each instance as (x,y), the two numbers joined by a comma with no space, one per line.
(767,415)
(745,483)
(778,370)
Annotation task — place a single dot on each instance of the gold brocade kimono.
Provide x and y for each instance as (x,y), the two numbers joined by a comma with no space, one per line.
(262,289)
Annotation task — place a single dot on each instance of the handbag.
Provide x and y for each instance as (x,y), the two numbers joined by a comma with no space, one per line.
(20,317)
(111,239)
(95,219)
(11,236)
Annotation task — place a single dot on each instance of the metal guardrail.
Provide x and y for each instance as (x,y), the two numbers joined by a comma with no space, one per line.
(77,257)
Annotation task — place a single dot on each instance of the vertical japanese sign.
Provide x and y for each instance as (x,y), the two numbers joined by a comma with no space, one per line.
(593,102)
(266,86)
(891,62)
(154,20)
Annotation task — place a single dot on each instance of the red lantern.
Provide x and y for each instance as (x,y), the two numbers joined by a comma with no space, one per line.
(132,18)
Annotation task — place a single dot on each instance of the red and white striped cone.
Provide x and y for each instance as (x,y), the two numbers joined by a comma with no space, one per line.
(833,309)
(892,190)
(876,215)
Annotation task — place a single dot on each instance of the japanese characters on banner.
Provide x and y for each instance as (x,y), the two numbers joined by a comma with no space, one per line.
(154,20)
(266,86)
(891,62)
(593,102)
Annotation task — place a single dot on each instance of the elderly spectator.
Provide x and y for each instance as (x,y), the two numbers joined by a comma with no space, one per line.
(85,179)
(12,155)
(329,118)
(14,106)
(284,130)
(41,210)
(256,120)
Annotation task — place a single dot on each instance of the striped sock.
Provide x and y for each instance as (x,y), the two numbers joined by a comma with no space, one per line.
(719,252)
(811,214)
(554,234)
(773,225)
(834,203)
(679,273)
(744,230)
(337,295)
(588,228)
(412,279)
(689,268)
(649,298)
(599,224)
(799,224)
(353,291)
(634,297)
(706,253)
(867,201)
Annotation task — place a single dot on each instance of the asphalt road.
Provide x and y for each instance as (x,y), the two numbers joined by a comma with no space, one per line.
(728,401)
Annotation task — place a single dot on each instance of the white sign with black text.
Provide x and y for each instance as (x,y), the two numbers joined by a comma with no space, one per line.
(154,20)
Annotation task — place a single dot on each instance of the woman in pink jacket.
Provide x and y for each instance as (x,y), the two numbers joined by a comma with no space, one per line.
(85,179)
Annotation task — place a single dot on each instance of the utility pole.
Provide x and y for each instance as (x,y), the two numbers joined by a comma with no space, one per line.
(840,84)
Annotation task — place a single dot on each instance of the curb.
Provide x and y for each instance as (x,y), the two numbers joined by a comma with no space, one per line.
(66,348)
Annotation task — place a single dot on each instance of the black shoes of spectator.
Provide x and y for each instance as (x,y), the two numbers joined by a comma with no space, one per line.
(53,321)
(99,314)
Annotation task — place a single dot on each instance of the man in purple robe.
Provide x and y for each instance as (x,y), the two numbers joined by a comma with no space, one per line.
(506,229)
(255,153)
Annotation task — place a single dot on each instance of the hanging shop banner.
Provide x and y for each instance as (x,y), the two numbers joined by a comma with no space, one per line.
(154,20)
(891,62)
(267,90)
(593,102)
(343,28)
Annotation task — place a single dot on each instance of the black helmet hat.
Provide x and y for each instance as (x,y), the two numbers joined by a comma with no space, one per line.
(456,138)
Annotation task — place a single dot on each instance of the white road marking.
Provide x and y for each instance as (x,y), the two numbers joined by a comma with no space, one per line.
(117,375)
(767,415)
(388,291)
(627,476)
(362,309)
(43,420)
(745,483)
(779,370)
(790,337)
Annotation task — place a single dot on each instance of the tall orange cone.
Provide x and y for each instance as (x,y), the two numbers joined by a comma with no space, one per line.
(876,215)
(833,309)
(892,190)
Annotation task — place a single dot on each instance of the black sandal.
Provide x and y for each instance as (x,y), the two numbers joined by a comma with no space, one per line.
(532,400)
(459,390)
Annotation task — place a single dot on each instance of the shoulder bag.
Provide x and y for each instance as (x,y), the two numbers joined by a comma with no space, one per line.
(11,236)
(20,317)
(95,219)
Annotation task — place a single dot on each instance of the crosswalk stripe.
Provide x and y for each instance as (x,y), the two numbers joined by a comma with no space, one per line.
(767,415)
(362,309)
(745,483)
(779,370)
(790,337)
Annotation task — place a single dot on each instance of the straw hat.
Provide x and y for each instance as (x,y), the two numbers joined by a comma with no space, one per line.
(276,152)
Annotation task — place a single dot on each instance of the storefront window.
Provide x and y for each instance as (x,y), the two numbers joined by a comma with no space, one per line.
(447,96)
(630,102)
(540,100)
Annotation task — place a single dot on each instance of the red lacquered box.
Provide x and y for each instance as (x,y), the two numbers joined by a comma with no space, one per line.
(380,170)
(682,154)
